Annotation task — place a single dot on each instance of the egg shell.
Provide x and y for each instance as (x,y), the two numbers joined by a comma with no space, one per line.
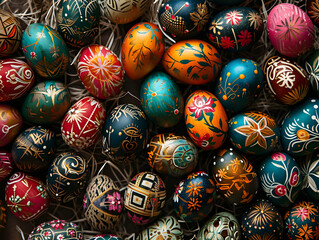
(239,84)
(234,176)
(47,102)
(78,21)
(290,30)
(17,78)
(10,32)
(288,82)
(106,237)
(227,2)
(45,50)
(309,172)
(81,125)
(222,224)
(262,221)
(206,120)
(302,221)
(6,164)
(162,100)
(235,29)
(192,62)
(142,49)
(165,228)
(254,132)
(56,230)
(26,196)
(67,177)
(300,129)
(312,68)
(3,215)
(103,204)
(125,132)
(313,11)
(193,199)
(145,197)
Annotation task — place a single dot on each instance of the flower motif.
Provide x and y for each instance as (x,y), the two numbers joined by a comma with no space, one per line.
(280,190)
(234,17)
(202,141)
(47,233)
(226,42)
(255,20)
(200,104)
(302,213)
(137,220)
(194,189)
(294,179)
(33,55)
(194,204)
(115,202)
(57,225)
(60,237)
(216,25)
(305,232)
(278,156)
(245,38)
(71,232)
(200,18)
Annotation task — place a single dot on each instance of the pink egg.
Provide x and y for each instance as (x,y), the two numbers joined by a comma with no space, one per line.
(290,30)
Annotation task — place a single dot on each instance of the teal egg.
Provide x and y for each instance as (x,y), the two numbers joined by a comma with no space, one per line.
(239,84)
(312,68)
(45,50)
(78,21)
(47,102)
(300,129)
(106,237)
(162,100)
(310,173)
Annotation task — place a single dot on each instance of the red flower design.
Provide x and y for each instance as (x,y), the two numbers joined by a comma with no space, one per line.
(71,232)
(278,156)
(234,17)
(280,190)
(33,55)
(202,141)
(294,179)
(245,37)
(211,37)
(200,104)
(226,42)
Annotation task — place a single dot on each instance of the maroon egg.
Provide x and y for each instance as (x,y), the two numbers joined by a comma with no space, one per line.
(6,164)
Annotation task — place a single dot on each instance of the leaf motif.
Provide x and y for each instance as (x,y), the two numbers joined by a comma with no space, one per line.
(198,55)
(214,69)
(201,46)
(195,76)
(54,69)
(189,70)
(244,130)
(312,184)
(185,61)
(262,123)
(267,132)
(204,64)
(147,26)
(221,123)
(189,45)
(217,55)
(262,141)
(211,116)
(251,139)
(175,70)
(251,123)
(189,125)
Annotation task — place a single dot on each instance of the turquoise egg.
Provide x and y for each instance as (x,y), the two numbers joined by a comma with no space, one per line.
(78,21)
(45,50)
(239,84)
(310,174)
(47,102)
(300,129)
(312,68)
(280,179)
(162,100)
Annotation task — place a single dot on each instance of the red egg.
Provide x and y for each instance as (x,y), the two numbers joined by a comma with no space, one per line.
(6,164)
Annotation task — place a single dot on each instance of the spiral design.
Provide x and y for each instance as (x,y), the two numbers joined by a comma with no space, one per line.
(16,177)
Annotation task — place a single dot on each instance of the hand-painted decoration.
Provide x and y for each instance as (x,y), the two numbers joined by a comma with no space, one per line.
(312,68)
(56,230)
(254,132)
(206,120)
(26,196)
(236,29)
(300,129)
(142,49)
(234,176)
(47,102)
(10,34)
(100,71)
(125,132)
(81,125)
(6,164)
(67,176)
(162,100)
(221,226)
(106,237)
(165,228)
(78,21)
(262,221)
(302,221)
(287,81)
(310,174)
(227,2)
(16,79)
(171,154)
(45,50)
(240,82)
(194,196)
(313,11)
(145,197)
(33,149)
(3,215)
(103,204)
(192,62)
(290,30)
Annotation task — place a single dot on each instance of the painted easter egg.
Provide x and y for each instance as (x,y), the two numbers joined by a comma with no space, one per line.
(234,176)
(235,29)
(239,84)
(103,204)
(6,164)
(10,32)
(312,7)
(227,2)
(142,49)
(262,221)
(287,81)
(194,197)
(222,225)
(206,120)
(67,177)
(312,68)
(78,21)
(290,30)
(300,129)
(310,174)
(192,62)
(3,215)
(56,230)
(254,132)
(145,197)
(45,50)
(47,102)
(16,79)
(106,237)
(100,71)
(162,100)
(81,125)
(26,196)
(125,132)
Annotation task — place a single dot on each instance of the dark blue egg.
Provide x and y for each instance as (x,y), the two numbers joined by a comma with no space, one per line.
(227,2)
(312,68)
(310,174)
